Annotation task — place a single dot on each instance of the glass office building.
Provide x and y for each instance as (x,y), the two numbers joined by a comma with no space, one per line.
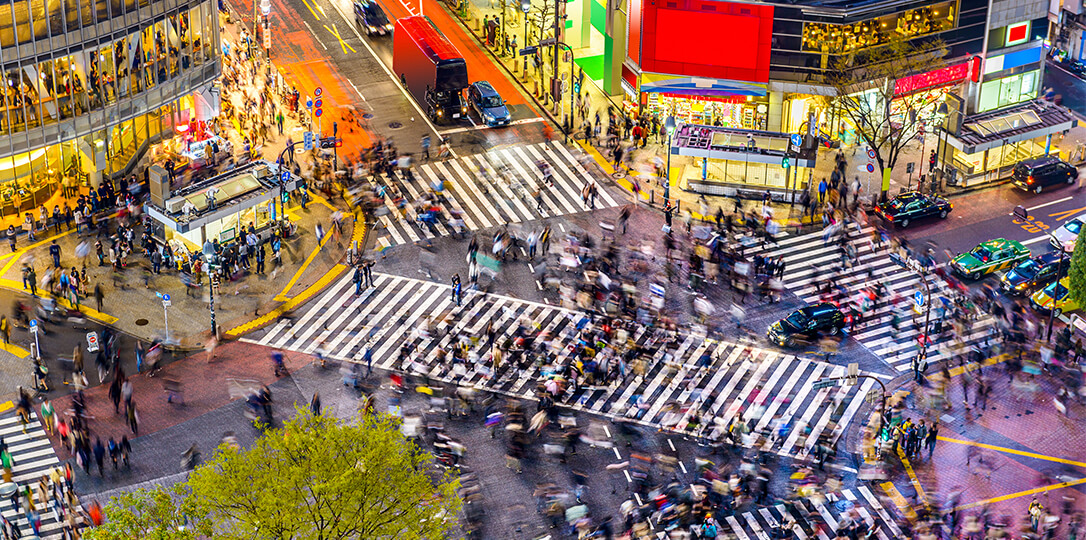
(89,84)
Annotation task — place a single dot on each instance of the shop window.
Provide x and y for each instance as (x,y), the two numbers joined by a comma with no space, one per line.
(7,25)
(22,22)
(173,42)
(1008,90)
(145,59)
(845,38)
(39,19)
(71,14)
(45,80)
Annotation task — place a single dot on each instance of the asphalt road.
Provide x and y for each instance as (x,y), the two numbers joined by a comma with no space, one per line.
(1070,88)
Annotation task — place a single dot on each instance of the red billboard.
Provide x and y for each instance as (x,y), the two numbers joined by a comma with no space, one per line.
(705,38)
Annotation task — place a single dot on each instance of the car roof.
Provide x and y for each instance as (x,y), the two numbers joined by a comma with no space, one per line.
(1039,162)
(817,309)
(1048,258)
(910,195)
(485,89)
(1003,243)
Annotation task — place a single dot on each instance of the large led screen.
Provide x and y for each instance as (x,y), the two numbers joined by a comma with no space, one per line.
(703,38)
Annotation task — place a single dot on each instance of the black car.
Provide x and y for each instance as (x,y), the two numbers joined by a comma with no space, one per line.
(1032,274)
(369,16)
(1036,174)
(911,206)
(806,324)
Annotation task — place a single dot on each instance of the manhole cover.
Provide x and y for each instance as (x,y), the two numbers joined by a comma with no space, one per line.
(395,125)
(367,116)
(141,322)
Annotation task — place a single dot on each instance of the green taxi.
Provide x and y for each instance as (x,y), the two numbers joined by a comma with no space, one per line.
(988,257)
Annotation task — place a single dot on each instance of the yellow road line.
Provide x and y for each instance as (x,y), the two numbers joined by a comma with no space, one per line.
(912,475)
(310,8)
(1033,491)
(1013,451)
(335,32)
(358,235)
(15,349)
(954,372)
(282,296)
(6,406)
(289,304)
(20,252)
(899,501)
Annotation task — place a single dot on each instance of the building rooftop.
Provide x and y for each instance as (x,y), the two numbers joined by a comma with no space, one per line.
(1015,123)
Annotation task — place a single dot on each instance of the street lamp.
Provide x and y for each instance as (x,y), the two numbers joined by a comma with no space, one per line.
(943,111)
(669,124)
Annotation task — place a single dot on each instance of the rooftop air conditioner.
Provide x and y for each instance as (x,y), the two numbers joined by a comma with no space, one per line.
(175,205)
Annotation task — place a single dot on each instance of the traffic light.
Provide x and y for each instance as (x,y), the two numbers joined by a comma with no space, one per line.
(331,142)
(785,162)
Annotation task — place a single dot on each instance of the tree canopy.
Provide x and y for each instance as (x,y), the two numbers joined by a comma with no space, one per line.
(316,478)
(1076,274)
(864,94)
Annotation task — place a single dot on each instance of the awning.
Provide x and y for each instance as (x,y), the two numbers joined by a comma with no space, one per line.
(700,86)
(1008,125)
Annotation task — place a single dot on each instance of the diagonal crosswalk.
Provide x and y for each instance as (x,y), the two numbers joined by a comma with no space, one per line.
(492,189)
(686,380)
(33,457)
(808,260)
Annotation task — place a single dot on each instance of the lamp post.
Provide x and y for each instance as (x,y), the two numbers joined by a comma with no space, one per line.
(669,124)
(944,111)
(165,312)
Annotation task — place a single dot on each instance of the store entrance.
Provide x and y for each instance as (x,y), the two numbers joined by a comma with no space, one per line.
(739,112)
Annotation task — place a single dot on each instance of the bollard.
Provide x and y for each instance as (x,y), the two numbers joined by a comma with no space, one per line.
(477,24)
(652,197)
(535,90)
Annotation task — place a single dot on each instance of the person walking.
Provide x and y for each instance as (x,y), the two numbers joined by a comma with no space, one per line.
(54,252)
(367,272)
(5,329)
(260,255)
(358,278)
(931,439)
(98,296)
(456,289)
(12,234)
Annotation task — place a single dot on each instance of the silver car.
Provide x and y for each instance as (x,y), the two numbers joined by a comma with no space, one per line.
(1067,234)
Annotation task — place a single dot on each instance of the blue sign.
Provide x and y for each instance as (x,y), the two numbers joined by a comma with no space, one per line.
(309,103)
(33,323)
(871,167)
(285,177)
(318,103)
(165,297)
(797,139)
(919,297)
(308,144)
(317,92)
(318,113)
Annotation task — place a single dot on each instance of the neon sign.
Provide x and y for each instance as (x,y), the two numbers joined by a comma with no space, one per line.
(939,77)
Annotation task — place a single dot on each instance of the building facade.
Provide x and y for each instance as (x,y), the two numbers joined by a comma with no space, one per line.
(89,84)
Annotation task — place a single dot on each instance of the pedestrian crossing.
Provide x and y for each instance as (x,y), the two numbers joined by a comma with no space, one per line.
(686,381)
(32,456)
(484,196)
(808,262)
(831,513)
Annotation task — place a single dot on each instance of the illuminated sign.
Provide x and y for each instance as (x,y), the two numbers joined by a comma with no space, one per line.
(939,77)
(1013,60)
(1017,33)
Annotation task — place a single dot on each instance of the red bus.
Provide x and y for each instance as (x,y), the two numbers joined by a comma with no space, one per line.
(430,67)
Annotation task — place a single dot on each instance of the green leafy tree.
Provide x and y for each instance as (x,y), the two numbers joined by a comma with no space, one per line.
(148,514)
(1076,274)
(317,478)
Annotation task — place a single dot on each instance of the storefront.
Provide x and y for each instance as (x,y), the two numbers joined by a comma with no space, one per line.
(723,161)
(991,143)
(223,207)
(742,112)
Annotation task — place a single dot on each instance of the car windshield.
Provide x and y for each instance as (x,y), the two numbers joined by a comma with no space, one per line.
(1056,291)
(1028,269)
(982,253)
(796,321)
(375,15)
(490,101)
(899,203)
(1073,226)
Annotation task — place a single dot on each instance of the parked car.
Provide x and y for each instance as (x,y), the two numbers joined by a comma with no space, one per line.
(911,206)
(488,104)
(988,257)
(1036,174)
(369,16)
(1067,234)
(1055,296)
(805,324)
(1032,274)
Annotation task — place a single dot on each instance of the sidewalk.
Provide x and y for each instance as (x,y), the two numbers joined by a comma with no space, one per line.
(1019,447)
(130,303)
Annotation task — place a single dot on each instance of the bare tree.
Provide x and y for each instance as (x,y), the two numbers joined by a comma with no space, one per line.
(864,93)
